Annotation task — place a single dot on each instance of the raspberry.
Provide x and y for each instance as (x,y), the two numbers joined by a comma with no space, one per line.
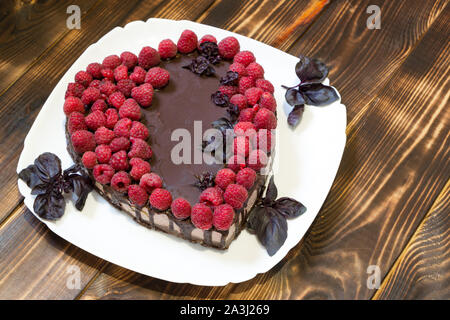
(253,94)
(137,195)
(211,197)
(107,87)
(103,153)
(138,75)
(235,163)
(143,94)
(207,38)
(239,100)
(83,78)
(150,181)
(125,86)
(90,95)
(121,73)
(241,146)
(187,41)
(73,104)
(139,130)
(120,143)
(129,59)
(228,47)
(122,128)
(244,128)
(148,57)
(246,177)
(76,122)
(160,199)
(99,105)
(268,101)
(265,119)
(116,99)
(239,68)
(103,135)
(120,181)
(111,118)
(74,89)
(244,57)
(257,160)
(255,70)
(167,49)
(89,159)
(139,167)
(245,83)
(264,140)
(181,208)
(140,149)
(130,109)
(95,83)
(265,85)
(235,195)
(108,74)
(224,177)
(228,90)
(95,120)
(95,70)
(246,115)
(111,62)
(103,173)
(119,160)
(82,141)
(157,77)
(201,216)
(223,217)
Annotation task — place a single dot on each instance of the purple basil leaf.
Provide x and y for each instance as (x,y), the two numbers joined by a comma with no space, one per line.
(295,115)
(230,79)
(30,176)
(81,186)
(294,97)
(288,207)
(318,94)
(49,206)
(48,166)
(310,70)
(257,220)
(275,232)
(272,192)
(220,99)
(41,189)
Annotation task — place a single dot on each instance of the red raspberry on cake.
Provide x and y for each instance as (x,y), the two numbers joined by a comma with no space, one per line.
(138,75)
(224,177)
(241,146)
(228,47)
(264,140)
(119,143)
(130,109)
(120,181)
(235,195)
(139,130)
(107,87)
(83,78)
(247,115)
(137,195)
(187,41)
(89,159)
(268,101)
(240,100)
(246,177)
(82,141)
(235,163)
(76,122)
(253,95)
(239,68)
(228,90)
(129,59)
(257,160)
(108,74)
(73,104)
(157,77)
(111,62)
(143,94)
(211,197)
(140,149)
(103,173)
(103,135)
(255,70)
(111,118)
(148,57)
(167,49)
(99,105)
(103,153)
(123,127)
(119,160)
(150,181)
(265,119)
(223,217)
(181,208)
(74,89)
(245,83)
(265,85)
(202,216)
(95,70)
(160,199)
(244,58)
(139,167)
(244,128)
(95,120)
(121,73)
(95,83)
(207,38)
(90,95)
(126,86)
(116,99)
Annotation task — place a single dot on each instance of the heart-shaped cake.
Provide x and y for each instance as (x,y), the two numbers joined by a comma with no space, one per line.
(180,137)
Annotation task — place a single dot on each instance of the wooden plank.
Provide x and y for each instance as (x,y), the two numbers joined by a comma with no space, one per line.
(389,177)
(28,29)
(422,271)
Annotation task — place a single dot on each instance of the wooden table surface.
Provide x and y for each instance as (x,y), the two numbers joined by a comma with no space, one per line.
(388,206)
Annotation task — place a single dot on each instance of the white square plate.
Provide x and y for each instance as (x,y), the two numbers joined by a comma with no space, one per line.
(306,163)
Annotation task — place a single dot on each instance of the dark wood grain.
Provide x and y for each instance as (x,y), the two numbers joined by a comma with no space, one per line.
(422,271)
